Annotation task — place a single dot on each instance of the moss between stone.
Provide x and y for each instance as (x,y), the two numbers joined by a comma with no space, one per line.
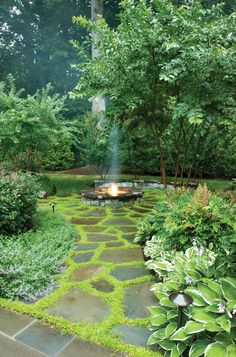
(100,333)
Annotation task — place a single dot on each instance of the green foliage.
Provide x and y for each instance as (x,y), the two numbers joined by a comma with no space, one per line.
(46,184)
(175,65)
(18,193)
(187,216)
(30,260)
(96,146)
(29,126)
(60,155)
(208,323)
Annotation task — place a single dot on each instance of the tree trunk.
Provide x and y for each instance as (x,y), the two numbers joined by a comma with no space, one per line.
(160,150)
(99,103)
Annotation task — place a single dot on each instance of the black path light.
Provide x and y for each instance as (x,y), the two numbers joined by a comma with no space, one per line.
(53,204)
(182,300)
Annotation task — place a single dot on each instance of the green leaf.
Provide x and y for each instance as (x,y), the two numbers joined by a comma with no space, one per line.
(172,314)
(181,347)
(173,285)
(175,352)
(196,295)
(170,329)
(231,281)
(159,320)
(228,290)
(231,351)
(212,327)
(224,323)
(193,274)
(224,337)
(193,327)
(156,336)
(200,315)
(214,286)
(215,349)
(167,344)
(156,310)
(166,302)
(209,295)
(231,304)
(213,308)
(198,348)
(179,335)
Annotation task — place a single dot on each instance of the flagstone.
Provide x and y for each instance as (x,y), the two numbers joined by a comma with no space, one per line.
(81,348)
(129,272)
(85,221)
(85,246)
(133,335)
(103,285)
(137,299)
(101,237)
(87,272)
(11,322)
(119,222)
(118,256)
(82,257)
(11,348)
(79,305)
(94,229)
(129,237)
(43,338)
(132,229)
(114,244)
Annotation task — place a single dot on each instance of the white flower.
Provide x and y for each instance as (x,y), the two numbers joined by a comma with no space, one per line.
(221,306)
(189,281)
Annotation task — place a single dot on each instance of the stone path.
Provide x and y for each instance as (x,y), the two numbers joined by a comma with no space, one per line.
(103,295)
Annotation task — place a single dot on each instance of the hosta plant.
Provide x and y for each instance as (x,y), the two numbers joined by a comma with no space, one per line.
(208,321)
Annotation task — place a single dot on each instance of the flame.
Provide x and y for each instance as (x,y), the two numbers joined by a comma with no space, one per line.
(113,190)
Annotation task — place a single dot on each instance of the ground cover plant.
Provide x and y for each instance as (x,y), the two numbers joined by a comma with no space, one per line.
(29,261)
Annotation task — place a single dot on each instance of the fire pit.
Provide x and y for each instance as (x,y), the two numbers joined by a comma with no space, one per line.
(111,196)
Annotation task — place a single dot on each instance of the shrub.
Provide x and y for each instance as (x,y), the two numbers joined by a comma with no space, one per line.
(208,324)
(28,263)
(46,184)
(18,193)
(201,216)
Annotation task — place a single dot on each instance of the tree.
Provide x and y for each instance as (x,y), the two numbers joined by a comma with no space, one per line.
(170,67)
(29,125)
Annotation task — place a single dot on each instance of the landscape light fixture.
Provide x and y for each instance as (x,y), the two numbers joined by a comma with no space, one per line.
(53,204)
(182,300)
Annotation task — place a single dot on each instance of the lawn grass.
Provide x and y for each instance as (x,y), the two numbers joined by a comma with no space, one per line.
(67,184)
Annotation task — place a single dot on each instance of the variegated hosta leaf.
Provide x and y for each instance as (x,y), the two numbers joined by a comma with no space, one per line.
(212,327)
(216,349)
(159,320)
(224,322)
(198,347)
(156,310)
(229,291)
(199,314)
(179,335)
(231,350)
(196,295)
(209,295)
(193,327)
(157,336)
